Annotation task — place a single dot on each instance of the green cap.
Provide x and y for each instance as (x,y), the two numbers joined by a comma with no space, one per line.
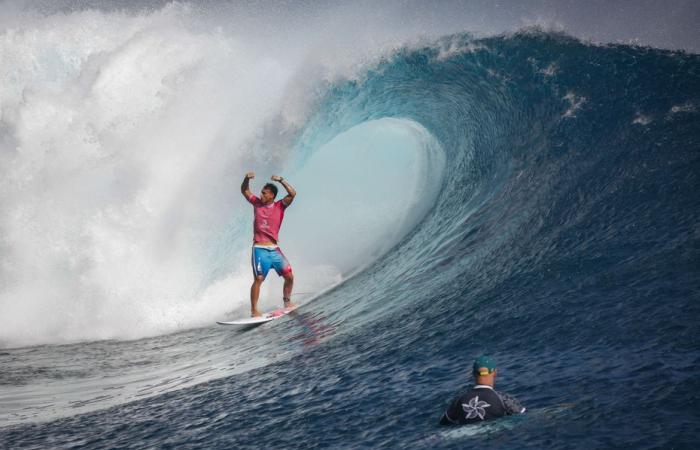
(481,362)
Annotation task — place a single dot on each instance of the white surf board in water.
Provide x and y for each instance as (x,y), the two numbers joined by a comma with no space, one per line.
(267,317)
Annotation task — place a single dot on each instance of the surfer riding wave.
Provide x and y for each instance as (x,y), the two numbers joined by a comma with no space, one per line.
(266,254)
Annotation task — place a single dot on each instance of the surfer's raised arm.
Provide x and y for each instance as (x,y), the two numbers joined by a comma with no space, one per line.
(245,189)
(291,193)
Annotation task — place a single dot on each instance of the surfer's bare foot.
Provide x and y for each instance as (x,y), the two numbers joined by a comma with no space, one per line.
(288,303)
(255,313)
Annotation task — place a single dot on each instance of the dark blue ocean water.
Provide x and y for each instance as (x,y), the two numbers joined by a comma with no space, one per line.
(565,243)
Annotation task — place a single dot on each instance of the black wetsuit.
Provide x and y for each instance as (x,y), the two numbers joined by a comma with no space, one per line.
(479,404)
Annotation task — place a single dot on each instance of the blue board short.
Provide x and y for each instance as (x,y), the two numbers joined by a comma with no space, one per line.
(266,258)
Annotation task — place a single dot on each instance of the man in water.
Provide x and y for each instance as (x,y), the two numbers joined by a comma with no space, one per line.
(482,402)
(266,254)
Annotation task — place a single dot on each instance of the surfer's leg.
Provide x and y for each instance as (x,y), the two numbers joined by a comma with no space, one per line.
(254,295)
(287,288)
(261,265)
(284,269)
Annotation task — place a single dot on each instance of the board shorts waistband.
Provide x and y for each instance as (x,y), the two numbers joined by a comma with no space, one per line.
(266,246)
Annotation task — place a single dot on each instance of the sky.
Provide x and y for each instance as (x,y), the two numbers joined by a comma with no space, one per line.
(669,24)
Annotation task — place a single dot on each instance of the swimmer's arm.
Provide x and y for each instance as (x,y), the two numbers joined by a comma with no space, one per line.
(445,420)
(513,406)
(454,408)
(291,193)
(245,189)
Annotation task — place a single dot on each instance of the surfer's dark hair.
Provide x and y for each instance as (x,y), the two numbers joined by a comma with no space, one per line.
(271,187)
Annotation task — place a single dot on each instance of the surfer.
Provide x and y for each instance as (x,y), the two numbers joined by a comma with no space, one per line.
(482,402)
(266,253)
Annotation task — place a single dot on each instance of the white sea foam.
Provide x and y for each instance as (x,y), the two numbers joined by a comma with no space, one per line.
(112,178)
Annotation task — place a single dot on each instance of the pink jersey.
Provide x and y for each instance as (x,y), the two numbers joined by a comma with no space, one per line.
(268,220)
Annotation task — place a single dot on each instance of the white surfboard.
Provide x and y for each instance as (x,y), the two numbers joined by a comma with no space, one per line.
(267,317)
